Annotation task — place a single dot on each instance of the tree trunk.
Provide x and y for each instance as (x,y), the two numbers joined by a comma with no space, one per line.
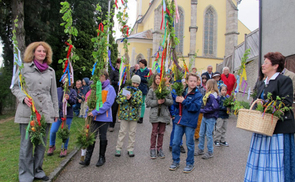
(18,12)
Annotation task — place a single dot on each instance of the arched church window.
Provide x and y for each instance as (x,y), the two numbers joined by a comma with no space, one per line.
(138,58)
(210,32)
(179,28)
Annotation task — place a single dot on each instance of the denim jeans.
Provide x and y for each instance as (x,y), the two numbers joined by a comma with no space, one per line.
(76,108)
(207,127)
(189,134)
(172,134)
(54,129)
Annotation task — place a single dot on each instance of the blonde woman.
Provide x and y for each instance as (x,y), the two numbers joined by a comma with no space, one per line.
(41,86)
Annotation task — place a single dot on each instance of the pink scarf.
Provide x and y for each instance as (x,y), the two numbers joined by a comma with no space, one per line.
(41,67)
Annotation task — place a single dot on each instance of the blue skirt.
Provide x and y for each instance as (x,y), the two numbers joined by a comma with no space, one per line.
(271,158)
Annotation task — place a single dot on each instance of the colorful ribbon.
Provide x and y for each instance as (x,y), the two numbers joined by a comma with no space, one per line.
(93,69)
(98,95)
(127,30)
(116,3)
(17,61)
(109,54)
(244,85)
(100,28)
(176,11)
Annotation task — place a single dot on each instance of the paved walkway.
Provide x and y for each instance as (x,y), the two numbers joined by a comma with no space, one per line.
(228,163)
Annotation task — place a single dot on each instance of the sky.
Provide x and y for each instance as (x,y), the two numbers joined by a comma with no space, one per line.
(248,14)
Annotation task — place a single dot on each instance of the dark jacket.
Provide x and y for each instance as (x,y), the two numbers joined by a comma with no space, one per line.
(85,88)
(114,78)
(282,86)
(173,109)
(71,101)
(222,109)
(207,75)
(211,108)
(201,89)
(190,109)
(144,82)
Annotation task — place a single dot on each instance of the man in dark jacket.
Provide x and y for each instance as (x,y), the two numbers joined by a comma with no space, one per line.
(114,77)
(209,73)
(143,73)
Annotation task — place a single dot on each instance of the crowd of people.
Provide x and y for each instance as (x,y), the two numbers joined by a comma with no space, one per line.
(198,113)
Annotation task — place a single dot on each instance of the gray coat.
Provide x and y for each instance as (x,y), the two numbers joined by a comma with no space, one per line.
(42,88)
(152,101)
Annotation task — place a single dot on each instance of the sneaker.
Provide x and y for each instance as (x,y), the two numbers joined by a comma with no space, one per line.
(196,140)
(118,153)
(224,144)
(111,129)
(174,166)
(208,155)
(63,153)
(161,154)
(217,144)
(170,148)
(188,168)
(50,150)
(199,152)
(153,154)
(182,150)
(131,154)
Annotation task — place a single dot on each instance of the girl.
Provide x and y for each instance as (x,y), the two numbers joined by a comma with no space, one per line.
(203,92)
(219,134)
(204,81)
(216,76)
(186,123)
(159,117)
(71,98)
(85,89)
(210,114)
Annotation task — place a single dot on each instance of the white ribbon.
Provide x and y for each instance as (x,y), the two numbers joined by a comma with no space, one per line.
(16,61)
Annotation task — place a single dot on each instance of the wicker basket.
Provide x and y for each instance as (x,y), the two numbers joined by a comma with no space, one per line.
(252,120)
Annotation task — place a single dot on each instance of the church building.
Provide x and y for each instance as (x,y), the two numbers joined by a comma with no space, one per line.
(207,31)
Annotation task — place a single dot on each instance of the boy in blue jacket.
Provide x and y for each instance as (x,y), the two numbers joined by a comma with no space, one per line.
(186,123)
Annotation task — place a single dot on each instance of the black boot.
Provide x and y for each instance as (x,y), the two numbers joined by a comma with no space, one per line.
(140,120)
(102,151)
(89,152)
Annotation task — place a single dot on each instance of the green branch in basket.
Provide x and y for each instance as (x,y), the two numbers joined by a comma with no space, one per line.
(240,105)
(272,106)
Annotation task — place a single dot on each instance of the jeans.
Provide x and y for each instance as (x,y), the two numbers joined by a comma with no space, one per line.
(207,127)
(172,134)
(54,129)
(189,134)
(76,108)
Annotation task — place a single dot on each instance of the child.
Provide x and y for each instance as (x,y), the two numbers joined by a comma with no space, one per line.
(129,114)
(186,123)
(71,98)
(85,89)
(203,92)
(216,76)
(204,81)
(210,114)
(220,129)
(159,116)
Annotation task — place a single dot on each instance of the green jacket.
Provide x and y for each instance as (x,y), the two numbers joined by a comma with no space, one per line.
(130,109)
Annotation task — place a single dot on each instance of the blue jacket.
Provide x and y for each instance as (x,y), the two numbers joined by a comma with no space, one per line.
(190,109)
(85,88)
(144,82)
(222,109)
(71,101)
(211,108)
(104,114)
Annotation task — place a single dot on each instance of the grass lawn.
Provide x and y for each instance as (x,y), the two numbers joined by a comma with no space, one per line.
(10,143)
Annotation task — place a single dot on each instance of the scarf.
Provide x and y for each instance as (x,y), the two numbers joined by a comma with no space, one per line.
(142,69)
(205,98)
(41,67)
(105,84)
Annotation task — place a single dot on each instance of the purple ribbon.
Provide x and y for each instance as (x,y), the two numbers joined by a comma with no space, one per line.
(246,84)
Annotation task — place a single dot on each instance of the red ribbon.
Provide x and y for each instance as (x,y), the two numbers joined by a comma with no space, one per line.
(100,28)
(162,63)
(116,3)
(150,73)
(167,10)
(68,55)
(162,17)
(127,31)
(63,121)
(122,1)
(38,116)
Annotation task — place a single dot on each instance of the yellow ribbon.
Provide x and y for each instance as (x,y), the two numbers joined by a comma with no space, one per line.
(124,14)
(205,98)
(244,75)
(21,85)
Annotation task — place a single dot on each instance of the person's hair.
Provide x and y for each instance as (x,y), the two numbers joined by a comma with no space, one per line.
(119,60)
(154,85)
(143,61)
(78,81)
(209,66)
(222,87)
(30,50)
(212,86)
(106,74)
(224,68)
(204,77)
(191,74)
(276,58)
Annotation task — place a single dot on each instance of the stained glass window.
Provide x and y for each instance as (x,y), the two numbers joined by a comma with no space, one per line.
(179,31)
(209,32)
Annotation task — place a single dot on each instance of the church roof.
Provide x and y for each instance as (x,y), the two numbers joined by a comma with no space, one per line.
(142,35)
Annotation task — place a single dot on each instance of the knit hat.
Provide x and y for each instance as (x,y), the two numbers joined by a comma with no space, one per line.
(216,74)
(136,79)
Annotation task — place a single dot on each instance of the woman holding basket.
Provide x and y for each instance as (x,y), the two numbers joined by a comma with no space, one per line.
(272,158)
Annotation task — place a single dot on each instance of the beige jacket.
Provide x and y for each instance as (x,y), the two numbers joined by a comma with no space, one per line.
(291,75)
(42,88)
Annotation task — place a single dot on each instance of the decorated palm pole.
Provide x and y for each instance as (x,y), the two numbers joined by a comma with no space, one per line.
(86,136)
(68,73)
(36,129)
